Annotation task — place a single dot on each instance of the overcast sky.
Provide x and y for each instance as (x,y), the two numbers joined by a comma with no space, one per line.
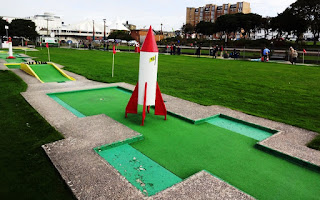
(171,13)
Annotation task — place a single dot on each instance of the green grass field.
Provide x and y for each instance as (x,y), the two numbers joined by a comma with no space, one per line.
(185,149)
(26,172)
(280,92)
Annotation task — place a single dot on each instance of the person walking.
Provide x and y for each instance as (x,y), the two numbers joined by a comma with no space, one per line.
(221,51)
(290,54)
(215,51)
(171,49)
(178,50)
(174,49)
(198,52)
(294,56)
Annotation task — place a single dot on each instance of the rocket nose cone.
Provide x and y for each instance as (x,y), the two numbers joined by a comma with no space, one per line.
(149,44)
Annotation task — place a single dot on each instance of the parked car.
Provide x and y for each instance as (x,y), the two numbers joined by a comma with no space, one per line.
(132,43)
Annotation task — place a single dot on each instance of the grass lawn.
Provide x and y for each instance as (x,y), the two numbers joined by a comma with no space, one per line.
(26,172)
(285,93)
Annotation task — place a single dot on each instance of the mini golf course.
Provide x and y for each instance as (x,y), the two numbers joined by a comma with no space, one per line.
(178,149)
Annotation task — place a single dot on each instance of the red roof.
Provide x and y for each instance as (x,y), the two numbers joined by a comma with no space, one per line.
(149,44)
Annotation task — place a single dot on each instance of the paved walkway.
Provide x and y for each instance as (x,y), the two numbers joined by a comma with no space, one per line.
(90,177)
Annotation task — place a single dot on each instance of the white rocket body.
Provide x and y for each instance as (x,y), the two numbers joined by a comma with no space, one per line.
(148,70)
(10,49)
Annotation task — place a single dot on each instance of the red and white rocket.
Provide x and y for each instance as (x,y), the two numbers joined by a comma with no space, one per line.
(147,91)
(10,49)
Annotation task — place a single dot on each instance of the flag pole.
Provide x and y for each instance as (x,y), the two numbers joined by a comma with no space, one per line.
(49,54)
(112,64)
(47,45)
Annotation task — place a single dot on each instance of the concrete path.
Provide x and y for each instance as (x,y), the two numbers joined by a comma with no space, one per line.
(91,177)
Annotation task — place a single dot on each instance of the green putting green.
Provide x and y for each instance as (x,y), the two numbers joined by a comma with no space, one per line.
(145,174)
(47,73)
(13,66)
(18,58)
(184,148)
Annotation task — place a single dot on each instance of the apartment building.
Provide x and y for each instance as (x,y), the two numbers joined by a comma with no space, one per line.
(210,12)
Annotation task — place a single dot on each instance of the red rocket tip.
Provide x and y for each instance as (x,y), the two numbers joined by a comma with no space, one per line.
(149,44)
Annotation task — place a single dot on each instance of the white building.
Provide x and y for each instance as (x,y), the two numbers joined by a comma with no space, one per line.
(45,23)
(50,25)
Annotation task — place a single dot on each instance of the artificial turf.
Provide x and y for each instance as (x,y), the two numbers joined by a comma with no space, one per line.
(25,170)
(47,73)
(184,149)
(16,60)
(17,66)
(280,92)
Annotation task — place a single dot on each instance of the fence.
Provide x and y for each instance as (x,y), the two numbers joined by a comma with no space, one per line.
(310,57)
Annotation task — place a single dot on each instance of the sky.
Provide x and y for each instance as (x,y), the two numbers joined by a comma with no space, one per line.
(143,13)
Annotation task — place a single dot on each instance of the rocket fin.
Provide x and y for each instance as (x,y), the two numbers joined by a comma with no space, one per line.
(132,106)
(160,107)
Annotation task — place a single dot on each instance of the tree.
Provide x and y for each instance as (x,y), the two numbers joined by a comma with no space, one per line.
(23,28)
(205,28)
(266,25)
(226,24)
(3,23)
(310,12)
(235,22)
(122,35)
(249,22)
(290,23)
(187,29)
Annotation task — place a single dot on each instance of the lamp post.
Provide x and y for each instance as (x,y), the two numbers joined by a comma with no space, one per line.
(93,29)
(104,34)
(48,19)
(7,28)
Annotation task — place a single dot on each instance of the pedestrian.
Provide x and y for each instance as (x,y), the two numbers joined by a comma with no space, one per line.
(198,51)
(234,53)
(294,56)
(291,50)
(266,53)
(174,49)
(178,51)
(221,51)
(215,51)
(171,49)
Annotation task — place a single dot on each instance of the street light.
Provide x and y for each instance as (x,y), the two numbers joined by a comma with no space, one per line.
(104,34)
(48,19)
(93,29)
(6,27)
